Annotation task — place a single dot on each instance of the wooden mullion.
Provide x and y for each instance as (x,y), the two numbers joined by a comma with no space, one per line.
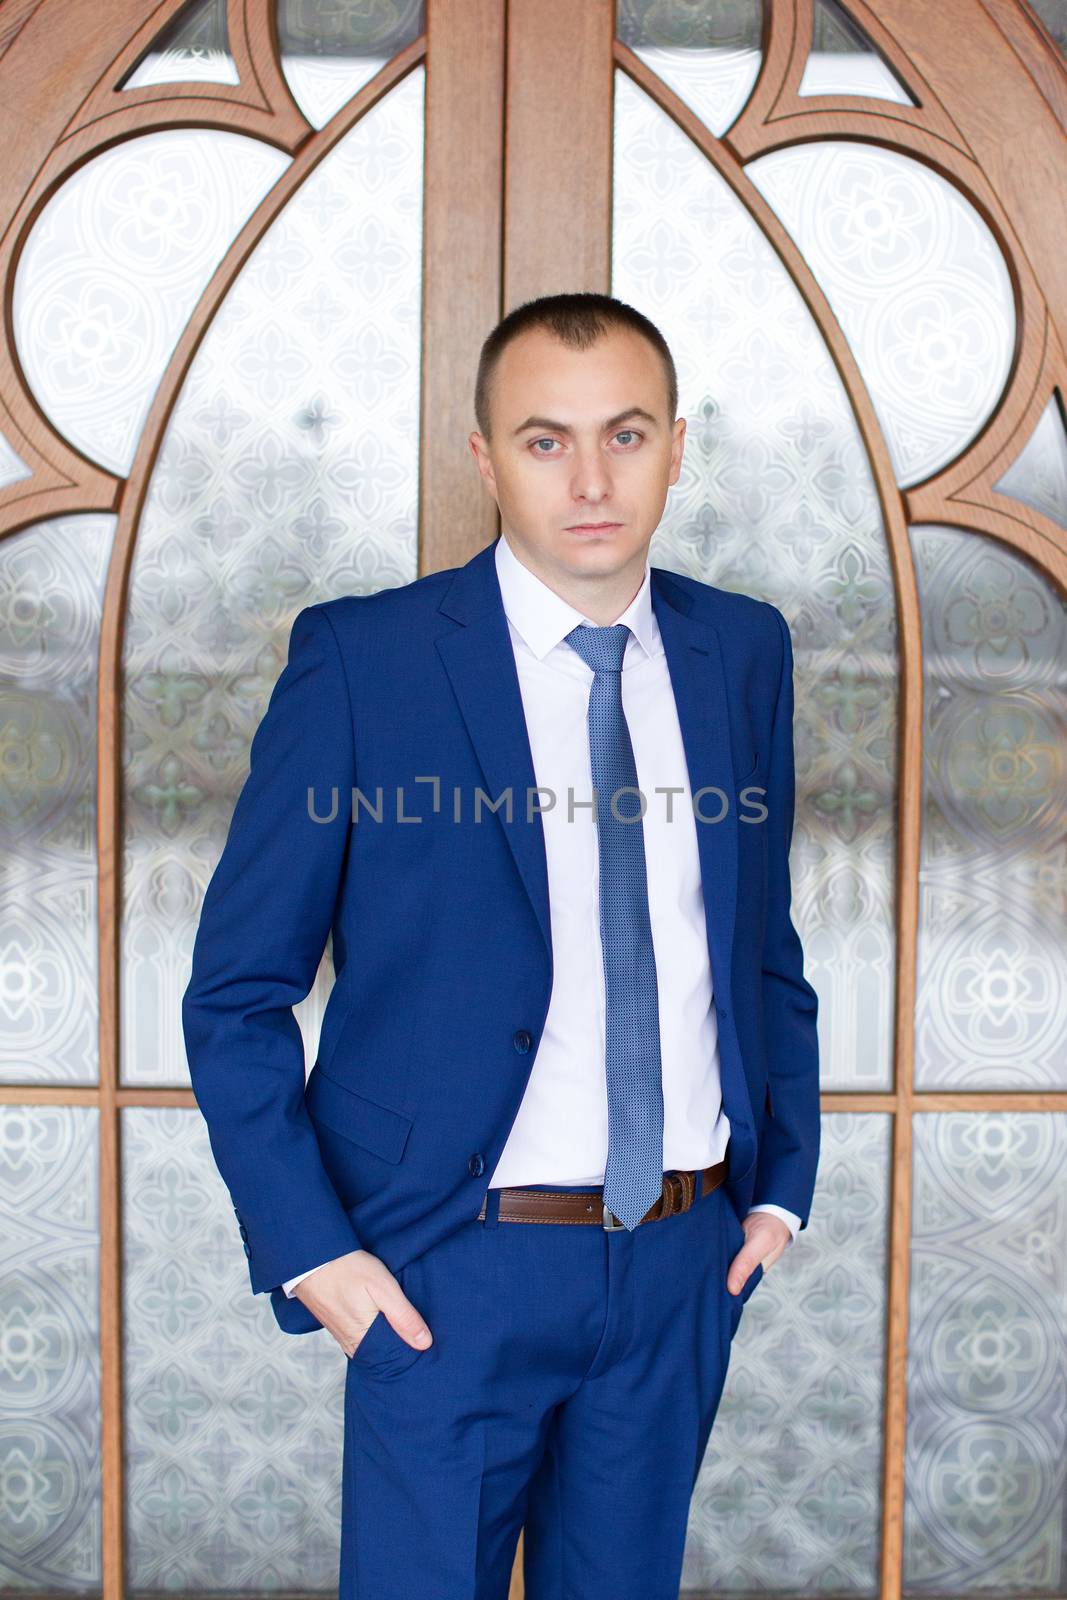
(109,859)
(864,1101)
(560,89)
(461,267)
(908,857)
(895,1373)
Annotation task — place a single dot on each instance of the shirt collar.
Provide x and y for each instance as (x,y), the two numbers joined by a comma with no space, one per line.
(542,618)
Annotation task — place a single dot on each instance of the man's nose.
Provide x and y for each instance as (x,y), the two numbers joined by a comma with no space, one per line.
(592,477)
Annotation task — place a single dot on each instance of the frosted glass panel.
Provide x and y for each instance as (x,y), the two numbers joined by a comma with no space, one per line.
(53,576)
(114,266)
(232,1429)
(916,280)
(788,1498)
(986,1463)
(842,59)
(195,46)
(992,991)
(707,52)
(49,1351)
(1038,476)
(288,475)
(1053,14)
(12,467)
(776,499)
(330,51)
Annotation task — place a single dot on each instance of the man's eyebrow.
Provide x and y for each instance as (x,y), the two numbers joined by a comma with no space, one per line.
(612,422)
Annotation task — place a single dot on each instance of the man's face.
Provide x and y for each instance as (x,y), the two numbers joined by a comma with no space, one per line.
(580,437)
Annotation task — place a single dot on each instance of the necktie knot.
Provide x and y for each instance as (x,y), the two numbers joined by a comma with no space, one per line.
(602,649)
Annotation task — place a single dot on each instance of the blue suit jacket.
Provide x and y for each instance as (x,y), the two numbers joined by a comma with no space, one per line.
(441,935)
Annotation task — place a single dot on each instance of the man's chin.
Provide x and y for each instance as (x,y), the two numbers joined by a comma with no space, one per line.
(608,551)
(586,555)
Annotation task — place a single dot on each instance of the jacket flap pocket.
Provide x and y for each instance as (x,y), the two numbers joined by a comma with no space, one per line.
(751,767)
(377,1128)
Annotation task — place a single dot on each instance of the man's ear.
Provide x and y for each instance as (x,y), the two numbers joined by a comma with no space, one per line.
(677,449)
(480,451)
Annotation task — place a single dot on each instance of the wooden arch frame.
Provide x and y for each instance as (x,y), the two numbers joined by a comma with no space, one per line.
(960,494)
(502,81)
(464,40)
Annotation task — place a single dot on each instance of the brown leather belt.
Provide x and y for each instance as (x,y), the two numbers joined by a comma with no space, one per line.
(680,1189)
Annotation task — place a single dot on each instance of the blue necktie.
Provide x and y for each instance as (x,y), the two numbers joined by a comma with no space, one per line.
(633,1177)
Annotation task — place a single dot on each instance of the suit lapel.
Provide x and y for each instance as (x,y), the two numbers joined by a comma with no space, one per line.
(480,663)
(693,648)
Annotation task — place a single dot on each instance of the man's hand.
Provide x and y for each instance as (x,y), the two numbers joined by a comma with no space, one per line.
(766,1236)
(345,1295)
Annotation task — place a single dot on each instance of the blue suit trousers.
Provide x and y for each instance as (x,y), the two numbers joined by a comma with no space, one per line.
(570,1389)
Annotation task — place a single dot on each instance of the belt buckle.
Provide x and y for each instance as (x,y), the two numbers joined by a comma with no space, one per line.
(609,1220)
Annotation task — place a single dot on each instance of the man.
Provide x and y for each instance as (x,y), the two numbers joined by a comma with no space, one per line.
(544,801)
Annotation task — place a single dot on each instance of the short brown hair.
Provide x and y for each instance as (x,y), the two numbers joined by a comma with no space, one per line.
(576,320)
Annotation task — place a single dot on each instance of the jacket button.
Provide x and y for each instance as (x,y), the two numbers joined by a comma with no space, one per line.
(722,1011)
(476,1164)
(522,1041)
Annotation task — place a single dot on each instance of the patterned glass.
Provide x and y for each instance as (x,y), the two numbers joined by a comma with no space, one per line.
(1038,475)
(194,46)
(232,1431)
(12,467)
(115,265)
(288,475)
(707,51)
(916,280)
(50,1527)
(1053,14)
(330,50)
(842,59)
(788,1498)
(776,499)
(986,1461)
(992,992)
(52,582)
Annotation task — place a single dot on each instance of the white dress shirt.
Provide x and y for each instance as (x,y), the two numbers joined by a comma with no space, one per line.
(560,1132)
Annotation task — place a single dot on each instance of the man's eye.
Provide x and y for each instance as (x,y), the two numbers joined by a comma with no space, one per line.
(625,434)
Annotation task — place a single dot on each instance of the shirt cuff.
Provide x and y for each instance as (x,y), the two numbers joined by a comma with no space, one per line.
(790,1218)
(290,1283)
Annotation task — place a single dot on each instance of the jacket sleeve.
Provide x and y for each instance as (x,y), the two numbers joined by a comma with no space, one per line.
(789,1144)
(266,914)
